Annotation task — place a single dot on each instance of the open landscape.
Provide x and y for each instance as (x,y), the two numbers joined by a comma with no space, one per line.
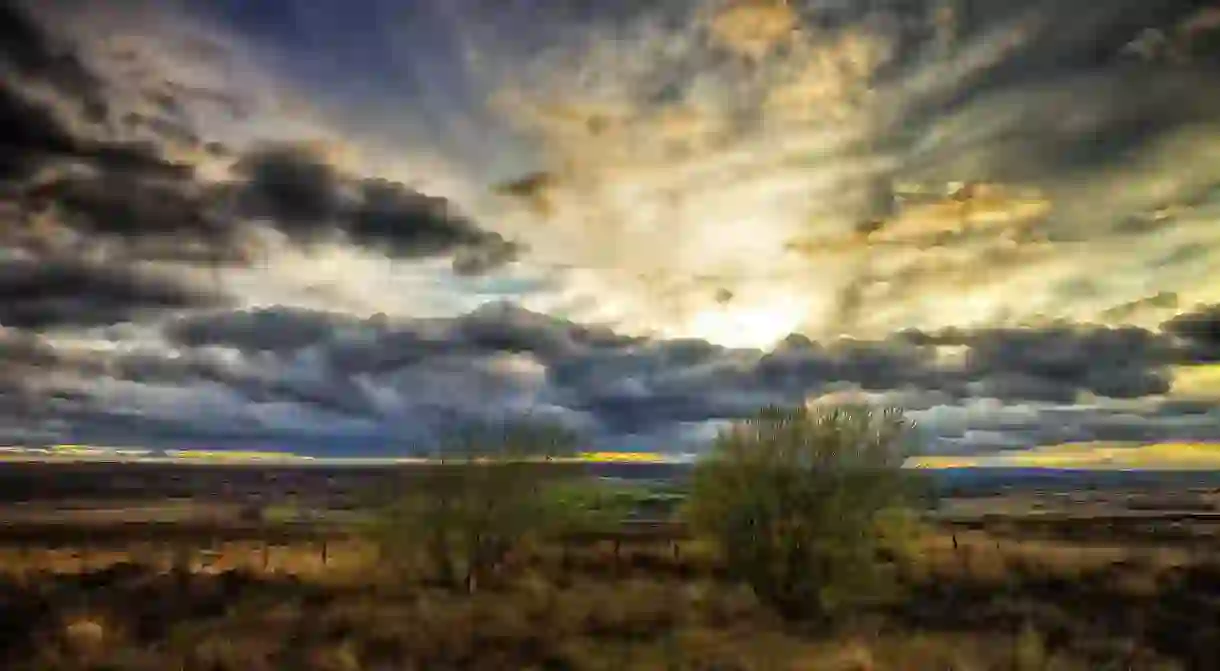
(610,335)
(256,567)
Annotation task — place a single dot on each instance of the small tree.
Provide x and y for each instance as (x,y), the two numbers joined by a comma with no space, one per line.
(801,502)
(488,490)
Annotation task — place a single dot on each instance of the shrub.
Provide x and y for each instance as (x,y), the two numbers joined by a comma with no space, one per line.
(800,503)
(491,489)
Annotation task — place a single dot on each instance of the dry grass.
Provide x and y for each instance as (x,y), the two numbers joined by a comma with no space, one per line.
(988,604)
(976,556)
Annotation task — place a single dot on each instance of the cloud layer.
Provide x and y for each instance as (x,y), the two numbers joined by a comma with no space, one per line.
(111,165)
(391,384)
(804,186)
(720,207)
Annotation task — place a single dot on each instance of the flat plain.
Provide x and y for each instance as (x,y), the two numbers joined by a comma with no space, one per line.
(259,567)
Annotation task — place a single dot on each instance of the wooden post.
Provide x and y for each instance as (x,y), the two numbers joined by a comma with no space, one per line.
(181,563)
(324,551)
(266,554)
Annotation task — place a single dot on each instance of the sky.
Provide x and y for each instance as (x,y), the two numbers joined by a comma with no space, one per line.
(354,225)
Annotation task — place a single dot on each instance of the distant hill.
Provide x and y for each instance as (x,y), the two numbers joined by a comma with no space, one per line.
(979,481)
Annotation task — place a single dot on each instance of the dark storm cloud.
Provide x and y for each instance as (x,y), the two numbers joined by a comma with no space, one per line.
(956,430)
(23,357)
(242,381)
(380,343)
(1014,365)
(67,153)
(90,160)
(508,327)
(872,365)
(634,385)
(293,185)
(54,106)
(140,206)
(402,379)
(30,130)
(1069,97)
(1200,331)
(310,199)
(1020,364)
(1054,363)
(273,330)
(29,363)
(66,160)
(44,292)
(28,366)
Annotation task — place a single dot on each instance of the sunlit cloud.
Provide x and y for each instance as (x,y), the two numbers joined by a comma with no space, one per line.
(1197,382)
(642,220)
(1090,456)
(662,175)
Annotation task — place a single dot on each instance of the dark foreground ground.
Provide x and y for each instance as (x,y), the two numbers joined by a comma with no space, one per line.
(970,601)
(1119,577)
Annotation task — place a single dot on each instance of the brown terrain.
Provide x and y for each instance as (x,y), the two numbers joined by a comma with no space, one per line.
(222,567)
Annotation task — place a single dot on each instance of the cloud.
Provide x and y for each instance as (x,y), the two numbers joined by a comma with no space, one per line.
(33,127)
(203,247)
(973,390)
(115,150)
(1197,383)
(39,293)
(1201,332)
(675,173)
(1092,456)
(310,198)
(1058,362)
(282,330)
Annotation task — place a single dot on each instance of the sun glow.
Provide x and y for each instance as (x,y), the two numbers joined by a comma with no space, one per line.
(759,325)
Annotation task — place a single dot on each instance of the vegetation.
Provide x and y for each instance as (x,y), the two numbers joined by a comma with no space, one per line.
(494,489)
(990,604)
(794,514)
(802,501)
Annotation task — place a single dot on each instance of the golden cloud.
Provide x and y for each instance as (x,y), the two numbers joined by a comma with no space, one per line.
(1186,456)
(1196,382)
(754,28)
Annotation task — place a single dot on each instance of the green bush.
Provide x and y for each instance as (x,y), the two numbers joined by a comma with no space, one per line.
(490,489)
(801,502)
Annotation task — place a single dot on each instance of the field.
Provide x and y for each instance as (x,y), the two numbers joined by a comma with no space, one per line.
(166,568)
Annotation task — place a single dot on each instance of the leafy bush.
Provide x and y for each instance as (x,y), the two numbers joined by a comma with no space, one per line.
(490,490)
(802,501)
